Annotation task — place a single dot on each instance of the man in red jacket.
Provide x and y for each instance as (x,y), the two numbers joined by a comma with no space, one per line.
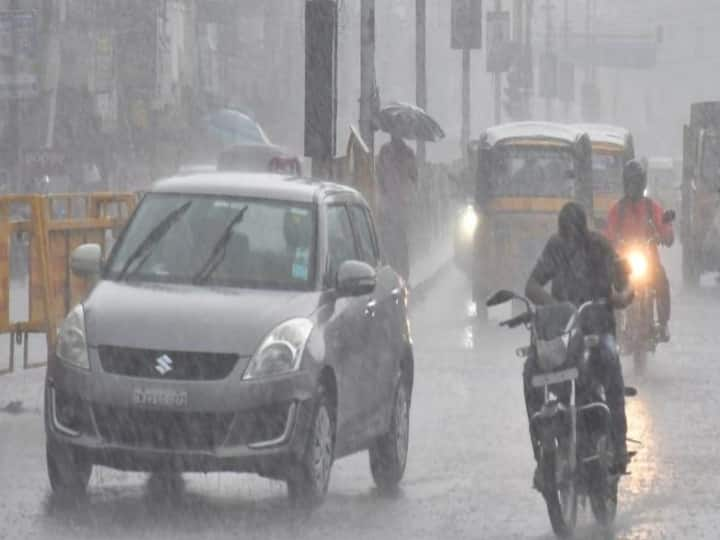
(637,218)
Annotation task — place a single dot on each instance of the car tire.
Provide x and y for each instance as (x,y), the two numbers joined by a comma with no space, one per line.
(308,480)
(68,470)
(388,454)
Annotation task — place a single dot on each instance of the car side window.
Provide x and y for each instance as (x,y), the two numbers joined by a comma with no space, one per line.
(341,243)
(366,239)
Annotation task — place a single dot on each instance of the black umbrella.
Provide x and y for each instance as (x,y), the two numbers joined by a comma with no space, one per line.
(409,122)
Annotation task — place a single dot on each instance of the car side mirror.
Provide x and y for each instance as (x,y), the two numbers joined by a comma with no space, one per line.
(86,260)
(356,278)
(668,216)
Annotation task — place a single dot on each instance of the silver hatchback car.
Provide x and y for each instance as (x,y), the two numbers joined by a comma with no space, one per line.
(242,322)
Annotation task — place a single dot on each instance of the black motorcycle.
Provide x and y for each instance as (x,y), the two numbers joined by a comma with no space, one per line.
(637,325)
(573,426)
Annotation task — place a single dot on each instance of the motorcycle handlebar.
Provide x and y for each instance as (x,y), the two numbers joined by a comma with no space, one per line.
(517,321)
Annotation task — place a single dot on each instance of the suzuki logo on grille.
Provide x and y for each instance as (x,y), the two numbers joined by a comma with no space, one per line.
(164,365)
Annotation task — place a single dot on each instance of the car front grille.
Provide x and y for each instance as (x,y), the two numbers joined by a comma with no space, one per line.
(178,366)
(161,429)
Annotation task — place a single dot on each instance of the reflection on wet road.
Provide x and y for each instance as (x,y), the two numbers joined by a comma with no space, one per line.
(470,465)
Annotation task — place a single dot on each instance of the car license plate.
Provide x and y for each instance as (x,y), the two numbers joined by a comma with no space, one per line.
(538,381)
(160,397)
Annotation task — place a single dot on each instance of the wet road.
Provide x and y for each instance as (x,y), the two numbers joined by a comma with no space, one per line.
(469,467)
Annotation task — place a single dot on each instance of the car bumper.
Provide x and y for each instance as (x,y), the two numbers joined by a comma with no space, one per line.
(226,425)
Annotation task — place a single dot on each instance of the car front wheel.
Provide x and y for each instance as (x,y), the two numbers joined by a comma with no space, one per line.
(308,481)
(388,454)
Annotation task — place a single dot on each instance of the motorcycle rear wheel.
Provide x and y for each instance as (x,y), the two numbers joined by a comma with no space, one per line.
(560,493)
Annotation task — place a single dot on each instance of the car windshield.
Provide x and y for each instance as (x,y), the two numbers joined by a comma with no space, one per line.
(218,240)
(529,171)
(607,172)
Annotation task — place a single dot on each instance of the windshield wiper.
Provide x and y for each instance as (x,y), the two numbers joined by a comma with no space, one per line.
(219,249)
(159,231)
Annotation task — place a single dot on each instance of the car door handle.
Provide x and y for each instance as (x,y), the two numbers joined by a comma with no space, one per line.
(396,294)
(371,309)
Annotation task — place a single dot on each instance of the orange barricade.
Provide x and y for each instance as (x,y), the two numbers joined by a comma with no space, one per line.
(357,168)
(52,227)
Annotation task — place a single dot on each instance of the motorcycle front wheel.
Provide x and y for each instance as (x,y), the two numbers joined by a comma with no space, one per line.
(559,490)
(603,488)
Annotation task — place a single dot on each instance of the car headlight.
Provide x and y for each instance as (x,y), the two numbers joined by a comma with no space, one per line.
(71,346)
(281,351)
(638,265)
(469,221)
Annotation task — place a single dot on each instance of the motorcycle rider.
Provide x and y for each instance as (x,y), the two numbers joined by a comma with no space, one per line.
(581,266)
(636,217)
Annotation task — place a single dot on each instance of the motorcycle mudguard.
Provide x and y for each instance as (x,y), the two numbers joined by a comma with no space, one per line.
(549,422)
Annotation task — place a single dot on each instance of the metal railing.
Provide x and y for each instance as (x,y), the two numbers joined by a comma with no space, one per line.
(38,234)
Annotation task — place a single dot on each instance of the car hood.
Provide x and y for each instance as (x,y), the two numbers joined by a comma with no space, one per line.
(189,318)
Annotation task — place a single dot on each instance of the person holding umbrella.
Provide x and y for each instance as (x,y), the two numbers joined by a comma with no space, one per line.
(397,174)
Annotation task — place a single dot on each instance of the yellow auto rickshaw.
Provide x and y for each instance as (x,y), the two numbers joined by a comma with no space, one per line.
(612,147)
(526,172)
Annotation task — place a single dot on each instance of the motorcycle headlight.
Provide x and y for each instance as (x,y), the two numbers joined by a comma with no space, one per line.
(71,346)
(281,351)
(638,265)
(469,221)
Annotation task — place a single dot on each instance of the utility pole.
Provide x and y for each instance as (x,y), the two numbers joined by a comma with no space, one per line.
(465,133)
(517,22)
(320,84)
(589,7)
(421,65)
(529,55)
(14,110)
(497,79)
(466,35)
(549,38)
(518,38)
(566,45)
(54,66)
(367,72)
(590,96)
